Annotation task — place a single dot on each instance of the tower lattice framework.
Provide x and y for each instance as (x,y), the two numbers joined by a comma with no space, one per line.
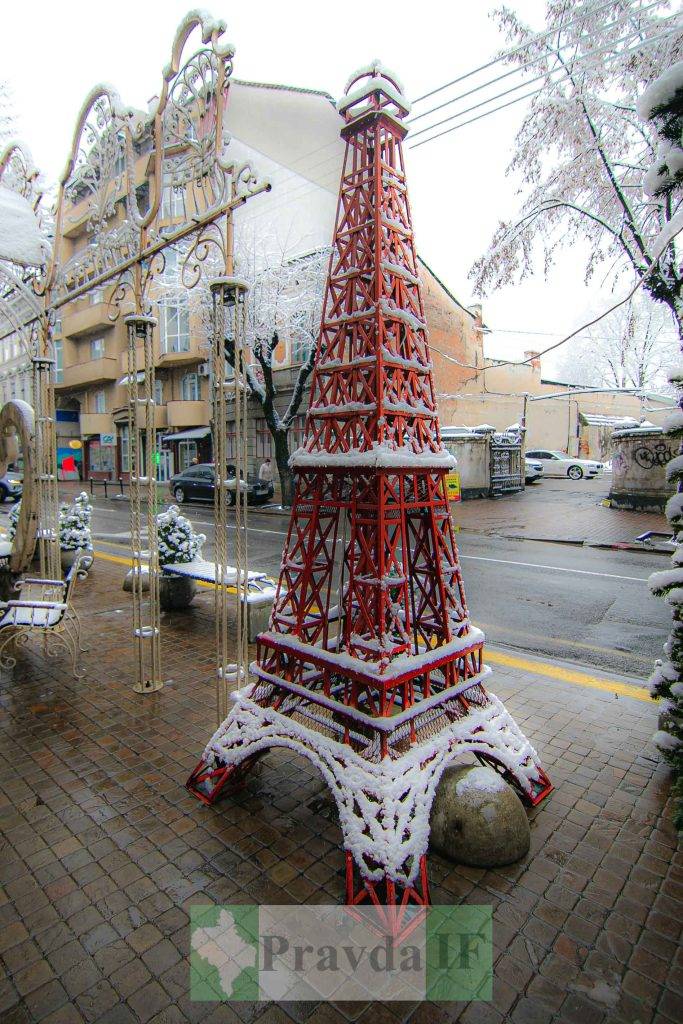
(370,666)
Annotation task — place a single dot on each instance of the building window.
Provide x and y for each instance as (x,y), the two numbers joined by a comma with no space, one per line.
(158,391)
(100,401)
(97,348)
(100,459)
(59,361)
(297,433)
(187,454)
(189,388)
(301,349)
(125,449)
(230,446)
(264,440)
(172,204)
(175,325)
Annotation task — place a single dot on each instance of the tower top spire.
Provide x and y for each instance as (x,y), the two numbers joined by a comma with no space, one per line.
(373,87)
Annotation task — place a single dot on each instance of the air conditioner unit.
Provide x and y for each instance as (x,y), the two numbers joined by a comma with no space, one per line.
(204,369)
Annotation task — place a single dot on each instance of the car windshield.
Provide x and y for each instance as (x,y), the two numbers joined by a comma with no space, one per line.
(560,455)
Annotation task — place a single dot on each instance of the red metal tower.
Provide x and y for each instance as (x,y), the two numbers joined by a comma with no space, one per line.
(370,666)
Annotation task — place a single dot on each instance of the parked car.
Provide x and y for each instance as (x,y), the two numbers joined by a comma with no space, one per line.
(10,487)
(197,483)
(533,471)
(561,464)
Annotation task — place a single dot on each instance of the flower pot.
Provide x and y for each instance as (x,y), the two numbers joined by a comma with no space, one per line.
(176,592)
(67,559)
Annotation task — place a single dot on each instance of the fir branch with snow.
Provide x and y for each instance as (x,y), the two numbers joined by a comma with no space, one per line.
(13,520)
(177,539)
(75,525)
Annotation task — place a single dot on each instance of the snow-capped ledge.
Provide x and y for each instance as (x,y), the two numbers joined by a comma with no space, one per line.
(381,456)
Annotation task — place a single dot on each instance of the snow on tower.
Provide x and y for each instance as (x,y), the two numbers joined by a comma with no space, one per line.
(370,666)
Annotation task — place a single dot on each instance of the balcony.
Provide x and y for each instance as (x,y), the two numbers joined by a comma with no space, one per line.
(120,415)
(193,355)
(94,371)
(96,423)
(188,414)
(86,320)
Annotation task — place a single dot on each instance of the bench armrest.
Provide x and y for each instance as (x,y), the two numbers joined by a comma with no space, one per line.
(56,605)
(51,583)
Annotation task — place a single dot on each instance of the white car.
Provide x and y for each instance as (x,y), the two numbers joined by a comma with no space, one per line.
(533,471)
(561,464)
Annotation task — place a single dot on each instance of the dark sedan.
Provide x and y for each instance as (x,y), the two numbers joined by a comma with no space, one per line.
(10,487)
(197,483)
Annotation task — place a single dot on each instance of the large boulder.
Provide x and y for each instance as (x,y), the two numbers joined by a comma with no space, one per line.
(477,819)
(144,578)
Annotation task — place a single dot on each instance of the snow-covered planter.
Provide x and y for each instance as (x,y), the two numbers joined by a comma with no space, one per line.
(177,539)
(178,542)
(75,530)
(13,519)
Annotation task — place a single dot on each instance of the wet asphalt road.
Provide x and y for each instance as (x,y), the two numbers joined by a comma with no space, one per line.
(580,604)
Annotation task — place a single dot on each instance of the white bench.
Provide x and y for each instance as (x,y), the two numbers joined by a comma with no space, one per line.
(261,589)
(44,607)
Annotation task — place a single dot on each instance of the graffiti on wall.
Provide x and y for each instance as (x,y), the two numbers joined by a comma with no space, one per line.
(654,455)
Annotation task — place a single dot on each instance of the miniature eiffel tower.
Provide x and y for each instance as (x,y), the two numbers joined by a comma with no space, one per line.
(370,666)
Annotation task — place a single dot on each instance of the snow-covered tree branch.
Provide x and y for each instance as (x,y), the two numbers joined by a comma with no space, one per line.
(633,347)
(582,153)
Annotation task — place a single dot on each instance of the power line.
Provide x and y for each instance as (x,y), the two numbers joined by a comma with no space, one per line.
(578,61)
(586,9)
(535,92)
(522,67)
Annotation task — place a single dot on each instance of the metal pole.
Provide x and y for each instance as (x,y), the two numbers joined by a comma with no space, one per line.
(142,467)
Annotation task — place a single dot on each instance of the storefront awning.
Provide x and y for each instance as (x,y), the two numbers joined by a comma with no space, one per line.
(188,435)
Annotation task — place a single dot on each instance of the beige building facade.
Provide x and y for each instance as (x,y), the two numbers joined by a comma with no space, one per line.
(558,416)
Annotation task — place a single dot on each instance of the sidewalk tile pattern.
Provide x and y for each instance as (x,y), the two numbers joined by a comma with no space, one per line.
(103,851)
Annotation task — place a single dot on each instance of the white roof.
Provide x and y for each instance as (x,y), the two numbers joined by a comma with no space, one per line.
(21,240)
(297,128)
(595,419)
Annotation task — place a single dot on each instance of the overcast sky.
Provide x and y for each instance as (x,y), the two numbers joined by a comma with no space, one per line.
(54,55)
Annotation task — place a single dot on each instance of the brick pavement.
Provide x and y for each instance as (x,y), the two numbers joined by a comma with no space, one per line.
(103,851)
(564,510)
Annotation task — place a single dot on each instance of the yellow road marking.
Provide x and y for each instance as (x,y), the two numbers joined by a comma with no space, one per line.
(539,668)
(567,675)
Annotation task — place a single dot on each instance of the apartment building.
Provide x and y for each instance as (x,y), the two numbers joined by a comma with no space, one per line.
(291,137)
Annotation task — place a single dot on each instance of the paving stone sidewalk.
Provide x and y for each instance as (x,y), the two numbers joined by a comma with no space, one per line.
(102,850)
(558,510)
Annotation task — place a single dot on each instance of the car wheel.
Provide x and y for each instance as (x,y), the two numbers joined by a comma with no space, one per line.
(3,494)
(575,472)
(179,495)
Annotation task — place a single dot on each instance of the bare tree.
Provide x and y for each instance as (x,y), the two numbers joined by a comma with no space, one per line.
(631,348)
(284,306)
(582,152)
(8,118)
